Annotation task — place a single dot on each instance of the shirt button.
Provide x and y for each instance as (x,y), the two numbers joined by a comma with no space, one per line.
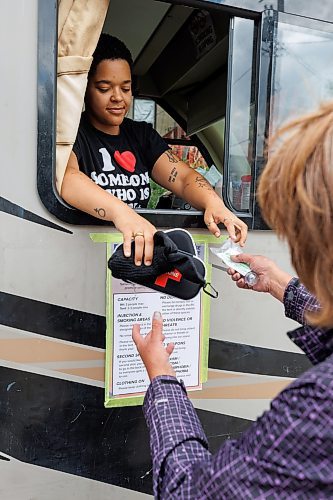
(312,415)
(277,481)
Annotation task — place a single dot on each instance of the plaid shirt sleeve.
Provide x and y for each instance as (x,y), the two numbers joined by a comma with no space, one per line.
(297,300)
(173,424)
(317,343)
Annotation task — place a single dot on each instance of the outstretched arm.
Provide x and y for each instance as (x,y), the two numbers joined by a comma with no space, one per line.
(257,464)
(173,174)
(82,193)
(281,285)
(316,342)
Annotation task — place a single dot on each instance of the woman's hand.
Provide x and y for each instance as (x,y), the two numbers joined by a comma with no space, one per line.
(81,192)
(132,225)
(271,279)
(217,212)
(151,349)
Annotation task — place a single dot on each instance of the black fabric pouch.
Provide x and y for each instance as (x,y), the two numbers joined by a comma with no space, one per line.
(175,270)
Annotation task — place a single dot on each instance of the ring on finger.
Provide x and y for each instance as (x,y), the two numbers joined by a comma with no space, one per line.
(209,223)
(138,233)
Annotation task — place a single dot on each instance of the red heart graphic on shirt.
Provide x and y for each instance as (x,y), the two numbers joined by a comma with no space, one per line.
(126,160)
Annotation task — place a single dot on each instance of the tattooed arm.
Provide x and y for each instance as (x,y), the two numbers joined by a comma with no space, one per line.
(173,174)
(82,193)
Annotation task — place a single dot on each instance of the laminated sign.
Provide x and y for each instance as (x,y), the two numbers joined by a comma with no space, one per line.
(185,321)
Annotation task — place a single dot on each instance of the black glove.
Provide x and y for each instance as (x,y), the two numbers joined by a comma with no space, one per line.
(175,268)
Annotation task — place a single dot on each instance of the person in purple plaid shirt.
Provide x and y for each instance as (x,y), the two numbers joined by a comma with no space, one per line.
(287,453)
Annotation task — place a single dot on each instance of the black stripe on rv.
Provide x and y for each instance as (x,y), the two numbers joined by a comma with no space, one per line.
(63,425)
(52,320)
(89,329)
(12,209)
(259,360)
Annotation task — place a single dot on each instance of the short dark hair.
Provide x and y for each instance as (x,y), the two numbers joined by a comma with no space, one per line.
(109,47)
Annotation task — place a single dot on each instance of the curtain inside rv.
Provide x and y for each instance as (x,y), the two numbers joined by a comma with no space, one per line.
(80,23)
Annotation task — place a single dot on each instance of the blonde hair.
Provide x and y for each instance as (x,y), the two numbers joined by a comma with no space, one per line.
(296,198)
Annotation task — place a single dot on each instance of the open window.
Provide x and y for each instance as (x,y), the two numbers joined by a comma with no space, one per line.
(196,74)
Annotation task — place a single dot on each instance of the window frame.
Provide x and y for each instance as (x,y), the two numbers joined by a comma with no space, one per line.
(249,215)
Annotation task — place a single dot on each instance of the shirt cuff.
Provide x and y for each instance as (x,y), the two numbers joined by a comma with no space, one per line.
(156,389)
(297,300)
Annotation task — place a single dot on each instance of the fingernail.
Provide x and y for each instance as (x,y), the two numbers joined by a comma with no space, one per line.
(138,263)
(217,234)
(157,315)
(148,262)
(127,253)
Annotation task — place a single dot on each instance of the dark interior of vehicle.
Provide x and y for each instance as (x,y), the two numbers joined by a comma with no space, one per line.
(180,55)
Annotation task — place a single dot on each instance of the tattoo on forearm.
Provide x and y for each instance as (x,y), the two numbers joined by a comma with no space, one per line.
(172,157)
(100,211)
(202,183)
(173,175)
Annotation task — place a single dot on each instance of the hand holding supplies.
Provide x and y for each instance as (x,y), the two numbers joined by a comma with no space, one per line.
(175,270)
(225,252)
